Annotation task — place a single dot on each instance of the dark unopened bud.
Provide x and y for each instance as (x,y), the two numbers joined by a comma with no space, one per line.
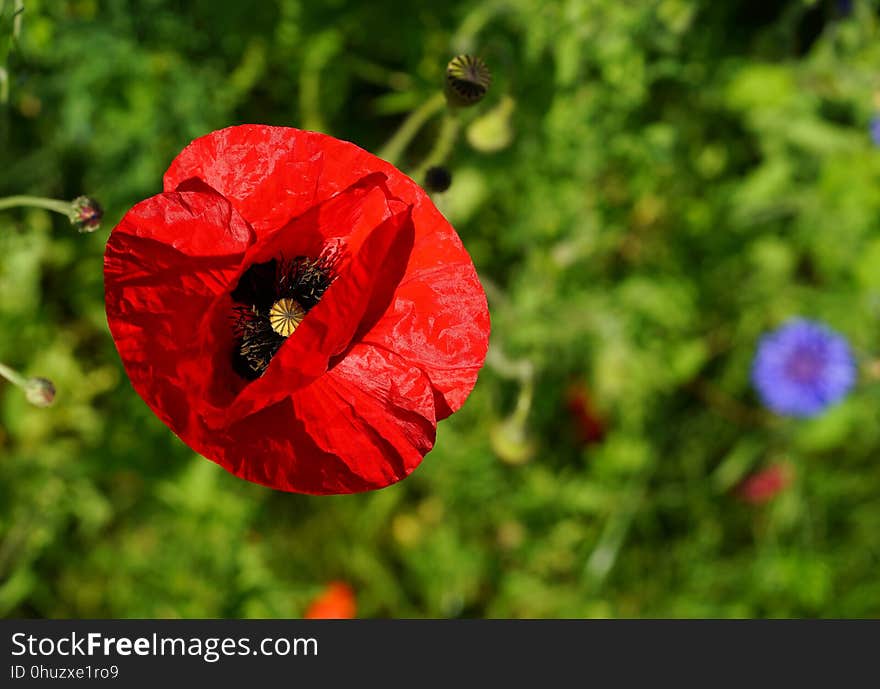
(467,80)
(86,214)
(438,179)
(39,391)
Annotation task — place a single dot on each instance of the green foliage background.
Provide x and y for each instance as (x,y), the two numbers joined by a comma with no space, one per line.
(647,188)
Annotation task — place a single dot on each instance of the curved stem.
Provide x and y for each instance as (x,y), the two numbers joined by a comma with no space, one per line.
(397,144)
(55,205)
(604,556)
(513,369)
(524,402)
(17,11)
(442,147)
(12,376)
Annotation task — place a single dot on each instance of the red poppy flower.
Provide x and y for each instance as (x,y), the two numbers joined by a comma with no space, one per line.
(588,423)
(764,485)
(336,602)
(295,309)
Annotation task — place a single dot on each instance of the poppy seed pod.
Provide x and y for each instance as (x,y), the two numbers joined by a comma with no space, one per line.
(296,310)
(467,80)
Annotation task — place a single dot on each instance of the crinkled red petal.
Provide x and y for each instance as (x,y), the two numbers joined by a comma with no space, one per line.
(165,264)
(374,411)
(440,320)
(350,401)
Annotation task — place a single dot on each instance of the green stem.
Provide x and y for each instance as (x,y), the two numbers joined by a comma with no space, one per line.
(604,555)
(397,144)
(442,147)
(378,74)
(17,11)
(513,369)
(725,406)
(55,205)
(524,402)
(12,376)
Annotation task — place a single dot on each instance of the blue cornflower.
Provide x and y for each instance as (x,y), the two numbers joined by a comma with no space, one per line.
(802,367)
(875,129)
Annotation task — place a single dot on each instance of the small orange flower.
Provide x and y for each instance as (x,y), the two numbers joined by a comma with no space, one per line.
(336,602)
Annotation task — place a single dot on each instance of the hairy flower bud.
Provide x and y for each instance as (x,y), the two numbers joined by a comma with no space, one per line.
(467,80)
(39,391)
(86,214)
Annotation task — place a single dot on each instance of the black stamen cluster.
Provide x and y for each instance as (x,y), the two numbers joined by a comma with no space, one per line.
(303,279)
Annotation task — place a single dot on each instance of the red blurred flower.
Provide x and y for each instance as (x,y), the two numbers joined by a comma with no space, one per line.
(764,485)
(336,602)
(295,309)
(588,424)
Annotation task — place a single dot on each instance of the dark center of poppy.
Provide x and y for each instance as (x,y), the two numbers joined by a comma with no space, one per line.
(285,315)
(804,365)
(272,299)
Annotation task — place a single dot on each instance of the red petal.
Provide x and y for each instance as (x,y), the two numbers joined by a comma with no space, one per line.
(165,264)
(374,411)
(272,174)
(365,424)
(191,223)
(440,318)
(273,448)
(344,220)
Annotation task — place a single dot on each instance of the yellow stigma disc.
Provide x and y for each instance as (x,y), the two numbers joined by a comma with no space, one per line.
(285,315)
